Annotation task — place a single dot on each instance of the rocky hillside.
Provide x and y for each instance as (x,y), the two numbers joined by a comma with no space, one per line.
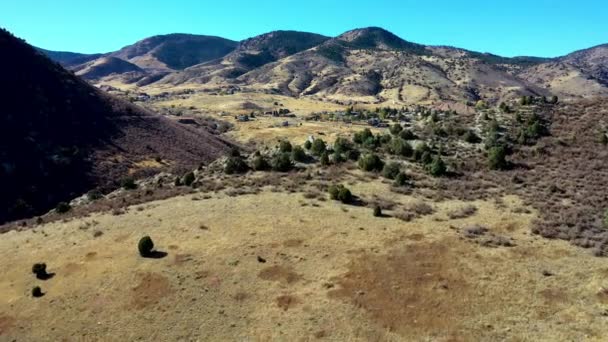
(250,54)
(373,65)
(69,59)
(106,66)
(60,137)
(175,51)
(366,65)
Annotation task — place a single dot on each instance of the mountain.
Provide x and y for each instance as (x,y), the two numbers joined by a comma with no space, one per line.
(249,54)
(175,51)
(60,137)
(374,65)
(68,59)
(106,66)
(580,74)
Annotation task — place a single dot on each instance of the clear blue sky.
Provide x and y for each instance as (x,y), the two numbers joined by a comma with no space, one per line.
(504,27)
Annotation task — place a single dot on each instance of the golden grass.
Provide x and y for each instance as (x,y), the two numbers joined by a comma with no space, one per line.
(331,271)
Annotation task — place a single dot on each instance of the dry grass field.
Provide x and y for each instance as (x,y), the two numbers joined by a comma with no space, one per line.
(292,267)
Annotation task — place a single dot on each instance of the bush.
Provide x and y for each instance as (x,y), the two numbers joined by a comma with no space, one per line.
(285,146)
(401,179)
(342,145)
(37,292)
(471,137)
(437,167)
(307,145)
(362,136)
(281,162)
(406,134)
(401,147)
(420,149)
(324,159)
(260,163)
(391,170)
(371,162)
(353,155)
(189,178)
(396,129)
(39,269)
(337,158)
(94,195)
(377,211)
(235,165)
(318,147)
(145,246)
(426,158)
(497,158)
(63,207)
(340,193)
(128,184)
(298,154)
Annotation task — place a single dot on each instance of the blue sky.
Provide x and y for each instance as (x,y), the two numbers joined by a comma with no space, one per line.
(508,28)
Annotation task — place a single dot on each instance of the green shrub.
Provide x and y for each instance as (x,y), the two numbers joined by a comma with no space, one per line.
(401,147)
(362,136)
(94,195)
(420,149)
(497,158)
(128,184)
(401,179)
(337,158)
(281,162)
(377,211)
(62,207)
(318,147)
(145,246)
(39,269)
(437,168)
(260,163)
(324,159)
(235,165)
(396,129)
(342,145)
(426,158)
(37,292)
(353,155)
(471,137)
(189,178)
(307,144)
(340,193)
(391,170)
(298,154)
(384,139)
(406,134)
(371,162)
(285,146)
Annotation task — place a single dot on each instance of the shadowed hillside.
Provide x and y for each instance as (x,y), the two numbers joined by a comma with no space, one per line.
(60,137)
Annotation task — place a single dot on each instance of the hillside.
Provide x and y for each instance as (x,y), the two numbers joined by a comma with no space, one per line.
(69,59)
(372,65)
(106,66)
(250,54)
(174,51)
(60,137)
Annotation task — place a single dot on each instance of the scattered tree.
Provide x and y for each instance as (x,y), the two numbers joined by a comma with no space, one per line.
(298,154)
(391,170)
(340,193)
(281,162)
(145,246)
(371,162)
(437,167)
